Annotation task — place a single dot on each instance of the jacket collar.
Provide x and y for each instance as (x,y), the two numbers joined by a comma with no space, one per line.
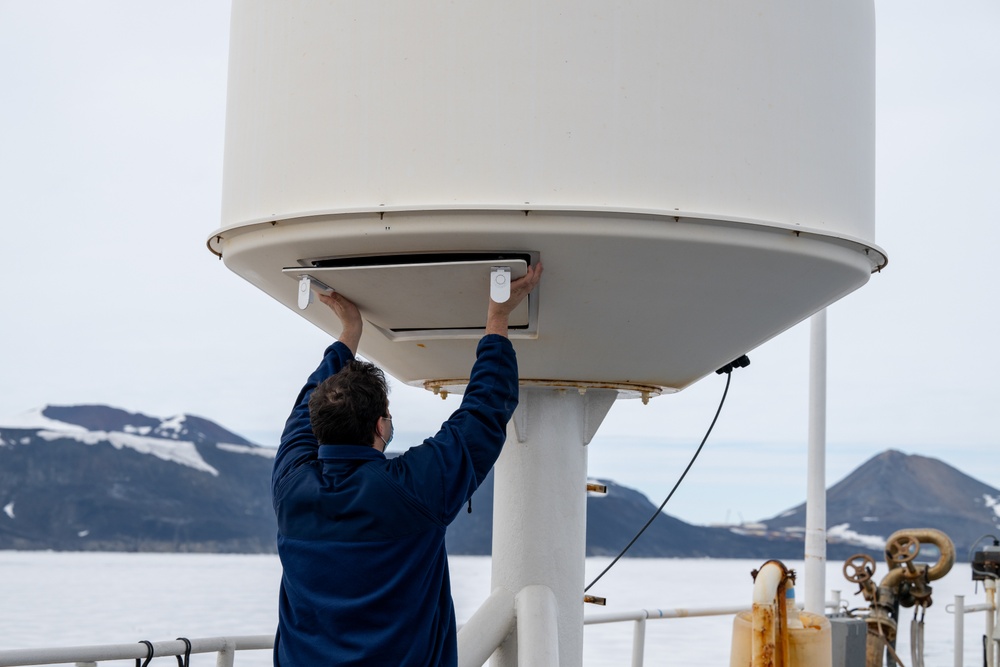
(350,452)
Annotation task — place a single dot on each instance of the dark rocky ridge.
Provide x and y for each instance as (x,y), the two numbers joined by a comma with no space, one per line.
(68,495)
(131,482)
(613,520)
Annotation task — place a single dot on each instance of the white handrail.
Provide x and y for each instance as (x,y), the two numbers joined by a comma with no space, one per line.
(640,616)
(960,609)
(646,614)
(225,647)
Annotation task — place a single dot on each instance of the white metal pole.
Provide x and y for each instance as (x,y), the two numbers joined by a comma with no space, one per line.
(959,640)
(991,600)
(639,642)
(540,505)
(815,545)
(481,635)
(537,631)
(226,656)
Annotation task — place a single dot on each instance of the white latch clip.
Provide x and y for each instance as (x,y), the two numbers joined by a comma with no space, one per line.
(305,292)
(308,285)
(500,283)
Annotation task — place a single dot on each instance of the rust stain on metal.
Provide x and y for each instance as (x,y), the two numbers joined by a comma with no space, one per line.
(630,389)
(763,635)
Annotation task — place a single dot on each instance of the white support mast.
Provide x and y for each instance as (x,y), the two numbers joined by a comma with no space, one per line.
(540,520)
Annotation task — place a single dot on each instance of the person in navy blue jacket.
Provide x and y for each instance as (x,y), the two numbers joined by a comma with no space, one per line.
(361,537)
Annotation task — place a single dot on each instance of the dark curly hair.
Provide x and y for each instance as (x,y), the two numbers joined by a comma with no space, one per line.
(345,408)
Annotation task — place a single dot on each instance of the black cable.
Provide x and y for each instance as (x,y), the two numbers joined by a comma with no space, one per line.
(186,660)
(149,653)
(729,378)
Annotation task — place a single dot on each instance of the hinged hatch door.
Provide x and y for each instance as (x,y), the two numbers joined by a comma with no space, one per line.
(411,298)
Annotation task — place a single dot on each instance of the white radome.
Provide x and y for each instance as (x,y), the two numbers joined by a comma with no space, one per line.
(696,177)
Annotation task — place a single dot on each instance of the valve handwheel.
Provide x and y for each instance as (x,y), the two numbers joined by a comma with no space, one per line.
(903,549)
(859,568)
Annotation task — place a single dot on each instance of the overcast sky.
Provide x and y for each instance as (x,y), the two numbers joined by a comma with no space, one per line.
(111,137)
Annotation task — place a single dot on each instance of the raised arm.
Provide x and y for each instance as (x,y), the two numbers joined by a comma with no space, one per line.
(461,454)
(298,444)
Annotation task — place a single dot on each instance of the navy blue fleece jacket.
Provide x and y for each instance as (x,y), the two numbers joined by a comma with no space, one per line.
(362,538)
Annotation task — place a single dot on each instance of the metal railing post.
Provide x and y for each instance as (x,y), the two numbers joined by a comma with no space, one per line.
(959,629)
(991,605)
(639,642)
(227,654)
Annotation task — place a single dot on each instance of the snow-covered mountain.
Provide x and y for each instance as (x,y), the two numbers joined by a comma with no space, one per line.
(893,490)
(92,477)
(95,477)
